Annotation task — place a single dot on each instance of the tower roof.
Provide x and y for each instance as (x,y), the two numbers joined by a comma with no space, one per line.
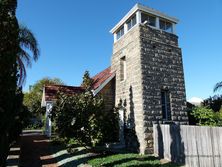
(143,9)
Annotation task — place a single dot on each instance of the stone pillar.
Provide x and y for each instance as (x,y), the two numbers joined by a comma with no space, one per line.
(158,22)
(138,17)
(115,37)
(48,129)
(125,28)
(174,28)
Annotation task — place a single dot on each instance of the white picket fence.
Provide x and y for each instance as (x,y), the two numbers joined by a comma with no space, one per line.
(193,146)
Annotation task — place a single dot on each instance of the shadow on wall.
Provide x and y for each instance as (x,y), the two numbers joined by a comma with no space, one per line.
(176,149)
(131,139)
(160,142)
(177,146)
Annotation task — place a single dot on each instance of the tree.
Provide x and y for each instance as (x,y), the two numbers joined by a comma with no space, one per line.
(82,117)
(218,86)
(26,41)
(32,99)
(207,117)
(87,81)
(77,116)
(213,103)
(10,95)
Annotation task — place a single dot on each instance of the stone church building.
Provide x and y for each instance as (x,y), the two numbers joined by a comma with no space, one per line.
(145,79)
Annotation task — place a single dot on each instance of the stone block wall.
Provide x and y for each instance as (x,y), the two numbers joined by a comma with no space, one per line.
(153,63)
(130,89)
(162,69)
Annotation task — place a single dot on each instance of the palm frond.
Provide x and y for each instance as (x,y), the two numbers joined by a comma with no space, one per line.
(218,86)
(27,40)
(25,58)
(22,72)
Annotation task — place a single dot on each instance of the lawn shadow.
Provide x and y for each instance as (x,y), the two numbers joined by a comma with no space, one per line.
(76,162)
(149,160)
(64,158)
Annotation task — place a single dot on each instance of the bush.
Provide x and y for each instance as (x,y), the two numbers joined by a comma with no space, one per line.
(207,116)
(83,118)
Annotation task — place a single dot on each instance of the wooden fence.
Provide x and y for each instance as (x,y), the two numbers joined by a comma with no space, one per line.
(192,146)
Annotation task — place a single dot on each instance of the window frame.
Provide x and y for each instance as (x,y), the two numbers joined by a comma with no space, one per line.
(165,24)
(131,22)
(120,32)
(166,105)
(148,16)
(122,68)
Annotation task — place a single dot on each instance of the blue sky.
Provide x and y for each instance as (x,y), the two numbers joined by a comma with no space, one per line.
(74,37)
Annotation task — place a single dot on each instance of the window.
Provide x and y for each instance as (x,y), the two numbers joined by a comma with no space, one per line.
(120,32)
(150,19)
(165,100)
(123,68)
(166,26)
(131,22)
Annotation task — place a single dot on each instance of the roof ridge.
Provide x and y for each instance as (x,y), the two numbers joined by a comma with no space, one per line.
(101,72)
(62,86)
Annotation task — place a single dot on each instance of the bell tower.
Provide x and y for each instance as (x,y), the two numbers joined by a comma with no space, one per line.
(149,73)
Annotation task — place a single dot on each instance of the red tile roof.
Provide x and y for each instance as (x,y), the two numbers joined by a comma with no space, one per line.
(101,77)
(52,90)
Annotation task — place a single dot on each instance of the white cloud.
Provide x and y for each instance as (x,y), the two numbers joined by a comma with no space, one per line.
(195,101)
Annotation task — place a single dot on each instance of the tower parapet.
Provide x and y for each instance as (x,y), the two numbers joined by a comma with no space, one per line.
(140,14)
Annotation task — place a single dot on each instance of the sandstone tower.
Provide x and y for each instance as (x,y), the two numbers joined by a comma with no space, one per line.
(149,72)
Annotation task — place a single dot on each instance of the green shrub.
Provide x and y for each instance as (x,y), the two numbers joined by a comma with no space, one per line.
(82,117)
(207,117)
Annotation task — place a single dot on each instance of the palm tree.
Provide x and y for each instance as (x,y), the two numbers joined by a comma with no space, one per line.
(218,86)
(26,41)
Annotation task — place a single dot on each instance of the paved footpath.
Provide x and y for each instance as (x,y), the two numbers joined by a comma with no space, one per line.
(34,151)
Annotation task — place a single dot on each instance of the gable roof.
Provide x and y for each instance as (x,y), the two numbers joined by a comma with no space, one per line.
(99,81)
(50,92)
(101,77)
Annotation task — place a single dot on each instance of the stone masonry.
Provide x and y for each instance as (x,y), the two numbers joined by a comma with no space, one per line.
(153,63)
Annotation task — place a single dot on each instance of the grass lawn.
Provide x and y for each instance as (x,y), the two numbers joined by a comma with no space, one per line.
(128,160)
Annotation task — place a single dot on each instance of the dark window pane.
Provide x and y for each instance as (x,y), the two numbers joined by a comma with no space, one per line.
(120,32)
(162,25)
(131,22)
(165,101)
(152,21)
(168,27)
(143,17)
(122,68)
(129,25)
